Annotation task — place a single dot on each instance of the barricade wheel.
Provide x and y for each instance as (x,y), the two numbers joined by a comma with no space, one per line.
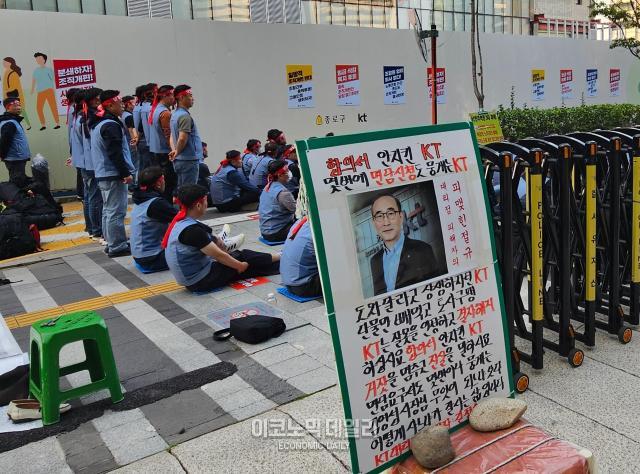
(522,382)
(625,335)
(576,357)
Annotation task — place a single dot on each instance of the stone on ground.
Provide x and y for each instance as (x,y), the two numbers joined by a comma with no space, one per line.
(495,414)
(432,447)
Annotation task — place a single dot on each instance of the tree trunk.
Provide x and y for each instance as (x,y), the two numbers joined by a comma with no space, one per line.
(475,44)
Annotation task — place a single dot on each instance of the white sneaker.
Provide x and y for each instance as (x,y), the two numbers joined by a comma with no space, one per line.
(234,243)
(103,242)
(224,233)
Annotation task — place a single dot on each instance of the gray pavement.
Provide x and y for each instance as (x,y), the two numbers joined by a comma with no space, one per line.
(220,425)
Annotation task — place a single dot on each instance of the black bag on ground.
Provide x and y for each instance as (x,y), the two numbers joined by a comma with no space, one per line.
(15,238)
(252,329)
(41,213)
(14,385)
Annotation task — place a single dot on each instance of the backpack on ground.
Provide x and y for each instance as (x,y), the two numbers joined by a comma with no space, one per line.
(15,237)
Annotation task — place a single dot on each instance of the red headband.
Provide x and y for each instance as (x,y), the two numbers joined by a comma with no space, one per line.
(181,93)
(156,100)
(110,101)
(297,226)
(288,151)
(13,99)
(144,187)
(275,174)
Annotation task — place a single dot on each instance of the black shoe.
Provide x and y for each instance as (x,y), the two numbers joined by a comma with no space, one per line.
(121,253)
(56,127)
(43,128)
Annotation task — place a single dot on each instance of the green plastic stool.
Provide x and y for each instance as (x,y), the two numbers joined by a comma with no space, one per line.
(47,340)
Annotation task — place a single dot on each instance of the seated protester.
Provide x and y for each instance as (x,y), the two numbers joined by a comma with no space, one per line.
(250,155)
(298,264)
(202,262)
(277,206)
(260,168)
(230,190)
(291,157)
(150,218)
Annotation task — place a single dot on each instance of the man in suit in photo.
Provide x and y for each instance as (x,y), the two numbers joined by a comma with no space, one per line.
(402,261)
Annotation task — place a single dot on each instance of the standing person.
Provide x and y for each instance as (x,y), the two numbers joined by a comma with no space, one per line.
(76,149)
(12,85)
(260,169)
(137,123)
(277,136)
(250,155)
(298,264)
(185,141)
(200,261)
(277,206)
(128,102)
(160,136)
(85,121)
(43,83)
(14,147)
(148,93)
(114,169)
(230,190)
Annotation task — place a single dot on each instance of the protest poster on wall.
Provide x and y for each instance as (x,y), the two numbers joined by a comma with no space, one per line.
(417,343)
(487,127)
(348,84)
(614,82)
(300,86)
(537,84)
(441,84)
(72,73)
(394,88)
(592,82)
(566,83)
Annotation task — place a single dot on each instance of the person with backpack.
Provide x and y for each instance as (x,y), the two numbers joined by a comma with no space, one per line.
(260,169)
(250,155)
(277,206)
(14,146)
(200,261)
(230,190)
(113,170)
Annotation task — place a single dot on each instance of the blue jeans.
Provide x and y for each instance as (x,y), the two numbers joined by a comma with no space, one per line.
(187,172)
(92,203)
(114,210)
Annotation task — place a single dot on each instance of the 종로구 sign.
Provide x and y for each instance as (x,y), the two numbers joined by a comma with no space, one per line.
(406,254)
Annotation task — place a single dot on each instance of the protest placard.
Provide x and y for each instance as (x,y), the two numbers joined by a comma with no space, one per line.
(408,264)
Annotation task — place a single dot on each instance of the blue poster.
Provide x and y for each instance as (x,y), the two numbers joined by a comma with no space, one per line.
(592,82)
(394,89)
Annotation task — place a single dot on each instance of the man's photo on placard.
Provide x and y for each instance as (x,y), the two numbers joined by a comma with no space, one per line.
(398,237)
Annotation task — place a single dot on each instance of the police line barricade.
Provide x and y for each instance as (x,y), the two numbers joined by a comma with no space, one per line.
(630,172)
(582,225)
(497,175)
(608,245)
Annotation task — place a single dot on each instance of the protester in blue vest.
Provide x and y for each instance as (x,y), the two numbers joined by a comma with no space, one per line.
(137,123)
(160,136)
(250,155)
(146,159)
(71,112)
(86,120)
(260,169)
(277,206)
(113,169)
(298,265)
(230,190)
(200,261)
(186,144)
(291,157)
(14,147)
(150,218)
(278,138)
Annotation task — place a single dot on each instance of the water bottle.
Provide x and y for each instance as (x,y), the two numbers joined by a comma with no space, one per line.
(271,299)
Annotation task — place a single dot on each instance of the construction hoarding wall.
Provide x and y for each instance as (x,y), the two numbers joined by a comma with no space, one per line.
(238,72)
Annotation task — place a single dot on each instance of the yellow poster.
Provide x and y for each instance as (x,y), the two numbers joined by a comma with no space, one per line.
(300,85)
(487,126)
(537,84)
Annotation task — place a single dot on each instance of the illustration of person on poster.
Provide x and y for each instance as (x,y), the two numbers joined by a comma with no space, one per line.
(12,85)
(44,84)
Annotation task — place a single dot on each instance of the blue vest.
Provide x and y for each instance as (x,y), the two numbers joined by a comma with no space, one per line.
(187,264)
(19,147)
(70,111)
(247,163)
(273,217)
(157,142)
(193,148)
(222,190)
(145,109)
(77,146)
(260,171)
(126,114)
(137,120)
(86,145)
(146,233)
(298,262)
(102,165)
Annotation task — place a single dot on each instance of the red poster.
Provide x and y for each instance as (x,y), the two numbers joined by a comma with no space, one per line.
(347,73)
(248,283)
(566,75)
(74,72)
